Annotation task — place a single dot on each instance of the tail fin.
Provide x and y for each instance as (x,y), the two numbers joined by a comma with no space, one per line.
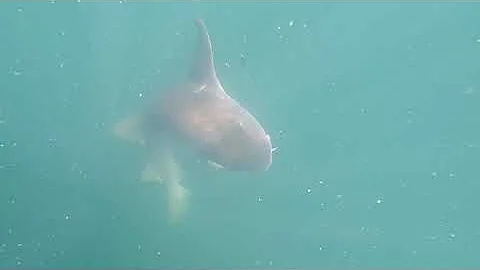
(178,195)
(164,169)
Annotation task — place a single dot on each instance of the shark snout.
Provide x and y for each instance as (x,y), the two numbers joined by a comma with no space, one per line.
(263,156)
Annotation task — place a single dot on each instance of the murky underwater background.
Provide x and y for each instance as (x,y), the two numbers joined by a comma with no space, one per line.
(374,109)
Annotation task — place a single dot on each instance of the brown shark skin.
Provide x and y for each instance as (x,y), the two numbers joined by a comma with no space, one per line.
(201,114)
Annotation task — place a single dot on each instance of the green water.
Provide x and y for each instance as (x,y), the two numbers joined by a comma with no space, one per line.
(373,107)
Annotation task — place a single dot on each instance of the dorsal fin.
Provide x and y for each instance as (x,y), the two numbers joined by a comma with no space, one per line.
(203,67)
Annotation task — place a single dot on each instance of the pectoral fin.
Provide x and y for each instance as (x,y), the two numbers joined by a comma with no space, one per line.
(131,129)
(151,173)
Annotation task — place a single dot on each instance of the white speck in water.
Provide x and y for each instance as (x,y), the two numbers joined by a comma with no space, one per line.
(62,33)
(242,57)
(227,64)
(2,145)
(158,253)
(12,200)
(140,95)
(67,216)
(469,91)
(19,245)
(478,40)
(451,175)
(434,174)
(291,23)
(339,196)
(279,28)
(347,254)
(305,25)
(51,237)
(452,234)
(309,190)
(139,247)
(18,260)
(379,201)
(270,263)
(37,246)
(323,206)
(259,199)
(320,248)
(19,9)
(61,65)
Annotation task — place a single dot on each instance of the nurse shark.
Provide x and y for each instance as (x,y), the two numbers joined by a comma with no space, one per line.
(199,115)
